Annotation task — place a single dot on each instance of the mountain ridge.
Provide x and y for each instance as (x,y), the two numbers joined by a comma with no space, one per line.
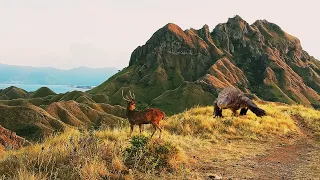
(260,59)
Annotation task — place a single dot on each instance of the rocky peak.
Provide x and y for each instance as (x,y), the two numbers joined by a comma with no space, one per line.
(261,22)
(204,33)
(168,33)
(269,25)
(260,58)
(233,34)
(235,19)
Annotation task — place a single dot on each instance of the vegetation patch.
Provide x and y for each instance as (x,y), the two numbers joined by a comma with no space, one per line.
(91,155)
(199,122)
(42,92)
(153,155)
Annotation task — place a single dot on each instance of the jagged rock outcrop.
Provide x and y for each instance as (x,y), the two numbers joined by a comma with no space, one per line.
(268,56)
(259,58)
(10,140)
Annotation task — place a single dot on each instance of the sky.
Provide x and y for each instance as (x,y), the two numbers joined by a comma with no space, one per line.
(102,33)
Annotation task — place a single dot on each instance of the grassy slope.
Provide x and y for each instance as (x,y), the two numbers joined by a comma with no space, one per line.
(42,92)
(193,144)
(34,123)
(184,97)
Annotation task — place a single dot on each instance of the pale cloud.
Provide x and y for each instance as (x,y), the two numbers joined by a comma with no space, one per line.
(102,33)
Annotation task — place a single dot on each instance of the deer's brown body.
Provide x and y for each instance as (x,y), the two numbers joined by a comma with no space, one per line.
(147,116)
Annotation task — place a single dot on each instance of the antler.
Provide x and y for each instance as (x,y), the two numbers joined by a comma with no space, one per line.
(132,97)
(125,98)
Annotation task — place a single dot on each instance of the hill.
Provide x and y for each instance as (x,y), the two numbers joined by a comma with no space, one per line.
(260,59)
(42,92)
(14,96)
(13,93)
(283,144)
(35,123)
(10,74)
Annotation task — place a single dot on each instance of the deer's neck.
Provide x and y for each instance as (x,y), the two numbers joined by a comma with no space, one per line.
(131,113)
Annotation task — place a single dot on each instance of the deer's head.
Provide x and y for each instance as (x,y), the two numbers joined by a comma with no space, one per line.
(131,104)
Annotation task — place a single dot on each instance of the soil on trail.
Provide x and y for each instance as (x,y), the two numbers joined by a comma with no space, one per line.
(299,160)
(294,157)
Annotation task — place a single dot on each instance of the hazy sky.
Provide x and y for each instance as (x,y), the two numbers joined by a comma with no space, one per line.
(103,33)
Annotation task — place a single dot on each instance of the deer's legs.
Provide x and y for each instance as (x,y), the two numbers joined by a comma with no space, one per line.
(131,129)
(158,126)
(155,129)
(140,128)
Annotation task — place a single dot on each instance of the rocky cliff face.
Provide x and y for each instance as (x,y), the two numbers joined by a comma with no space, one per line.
(272,61)
(260,58)
(9,140)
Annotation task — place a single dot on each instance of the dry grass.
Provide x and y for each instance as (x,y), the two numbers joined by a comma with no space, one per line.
(310,117)
(199,122)
(91,155)
(190,140)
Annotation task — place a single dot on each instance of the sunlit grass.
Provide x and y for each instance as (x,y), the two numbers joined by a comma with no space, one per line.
(112,154)
(309,116)
(200,122)
(90,155)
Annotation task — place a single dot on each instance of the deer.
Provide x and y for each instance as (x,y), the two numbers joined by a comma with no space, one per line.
(147,116)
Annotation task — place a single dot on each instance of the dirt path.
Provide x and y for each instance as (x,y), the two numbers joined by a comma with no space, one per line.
(286,158)
(287,162)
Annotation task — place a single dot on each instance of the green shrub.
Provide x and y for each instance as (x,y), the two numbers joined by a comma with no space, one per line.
(151,155)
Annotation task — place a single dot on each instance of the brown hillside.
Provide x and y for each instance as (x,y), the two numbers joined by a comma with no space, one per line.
(33,123)
(29,121)
(80,115)
(223,74)
(260,59)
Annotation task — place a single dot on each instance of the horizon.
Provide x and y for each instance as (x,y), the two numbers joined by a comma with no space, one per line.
(102,34)
(57,68)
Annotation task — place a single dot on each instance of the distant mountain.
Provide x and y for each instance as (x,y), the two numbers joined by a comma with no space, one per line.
(51,76)
(177,69)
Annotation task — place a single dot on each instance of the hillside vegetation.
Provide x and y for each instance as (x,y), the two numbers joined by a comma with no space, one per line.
(13,93)
(42,92)
(35,123)
(194,146)
(176,69)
